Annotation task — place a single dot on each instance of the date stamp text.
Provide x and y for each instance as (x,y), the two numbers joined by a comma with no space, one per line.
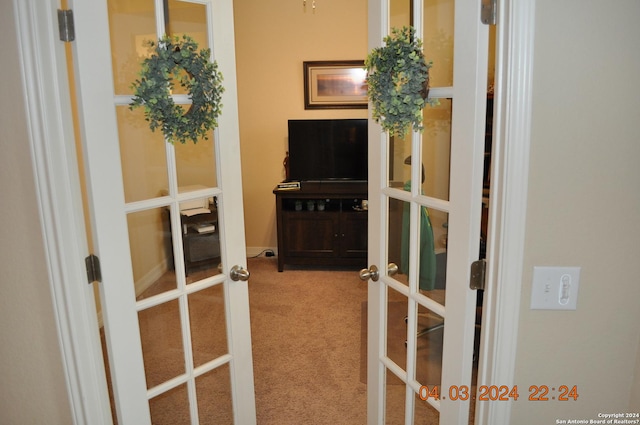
(500,393)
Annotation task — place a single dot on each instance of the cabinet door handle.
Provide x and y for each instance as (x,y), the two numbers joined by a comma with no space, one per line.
(239,273)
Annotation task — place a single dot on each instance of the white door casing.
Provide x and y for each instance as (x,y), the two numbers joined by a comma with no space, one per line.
(51,139)
(508,203)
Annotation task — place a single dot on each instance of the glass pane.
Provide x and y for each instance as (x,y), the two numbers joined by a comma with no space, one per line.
(438,40)
(433,258)
(440,224)
(213,390)
(196,164)
(161,337)
(171,407)
(143,156)
(432,253)
(400,13)
(425,414)
(429,335)
(399,231)
(397,331)
(208,324)
(432,247)
(151,252)
(436,150)
(399,161)
(395,391)
(190,19)
(200,238)
(131,23)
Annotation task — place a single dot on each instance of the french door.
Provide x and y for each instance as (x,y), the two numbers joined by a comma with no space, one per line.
(424,217)
(167,222)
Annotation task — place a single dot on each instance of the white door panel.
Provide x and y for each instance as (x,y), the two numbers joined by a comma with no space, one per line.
(160,275)
(430,230)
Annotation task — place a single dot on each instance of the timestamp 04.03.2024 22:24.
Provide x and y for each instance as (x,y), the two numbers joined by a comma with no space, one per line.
(500,393)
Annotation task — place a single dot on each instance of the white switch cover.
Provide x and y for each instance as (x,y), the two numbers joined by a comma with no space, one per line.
(555,288)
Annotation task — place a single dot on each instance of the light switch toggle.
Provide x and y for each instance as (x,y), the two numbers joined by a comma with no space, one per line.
(555,288)
(565,286)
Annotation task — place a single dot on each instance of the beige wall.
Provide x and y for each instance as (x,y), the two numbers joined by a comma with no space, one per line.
(33,389)
(273,38)
(584,209)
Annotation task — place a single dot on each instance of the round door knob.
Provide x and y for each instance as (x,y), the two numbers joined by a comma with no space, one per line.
(373,273)
(239,273)
(392,269)
(370,273)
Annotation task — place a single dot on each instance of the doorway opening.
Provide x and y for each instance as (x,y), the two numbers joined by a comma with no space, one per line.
(442,224)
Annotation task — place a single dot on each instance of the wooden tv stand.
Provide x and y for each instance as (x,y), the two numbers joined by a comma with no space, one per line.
(308,235)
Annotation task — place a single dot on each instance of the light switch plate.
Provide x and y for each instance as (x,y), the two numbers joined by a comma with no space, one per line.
(555,288)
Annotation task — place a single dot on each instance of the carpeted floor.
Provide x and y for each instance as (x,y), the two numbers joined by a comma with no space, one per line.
(306,345)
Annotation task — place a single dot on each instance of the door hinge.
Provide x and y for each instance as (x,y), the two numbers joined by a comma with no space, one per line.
(478,269)
(94,274)
(65,25)
(489,12)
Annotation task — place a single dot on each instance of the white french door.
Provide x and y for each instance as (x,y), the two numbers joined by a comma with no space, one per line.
(424,216)
(176,320)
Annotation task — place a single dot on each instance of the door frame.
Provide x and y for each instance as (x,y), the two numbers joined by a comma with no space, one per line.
(508,202)
(51,140)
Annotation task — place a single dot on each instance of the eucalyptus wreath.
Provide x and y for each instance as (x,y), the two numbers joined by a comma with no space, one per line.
(178,59)
(398,82)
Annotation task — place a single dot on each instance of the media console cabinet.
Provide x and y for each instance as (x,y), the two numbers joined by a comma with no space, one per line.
(322,224)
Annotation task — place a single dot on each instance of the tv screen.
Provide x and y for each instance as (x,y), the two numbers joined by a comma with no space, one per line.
(334,149)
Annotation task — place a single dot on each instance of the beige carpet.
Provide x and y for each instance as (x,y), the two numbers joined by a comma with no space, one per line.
(306,345)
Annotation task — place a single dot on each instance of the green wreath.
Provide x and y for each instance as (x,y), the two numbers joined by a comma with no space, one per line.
(398,82)
(176,58)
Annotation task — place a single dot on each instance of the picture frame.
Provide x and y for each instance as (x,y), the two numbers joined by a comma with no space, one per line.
(335,85)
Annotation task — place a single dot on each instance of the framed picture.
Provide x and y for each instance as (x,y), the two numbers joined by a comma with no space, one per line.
(335,85)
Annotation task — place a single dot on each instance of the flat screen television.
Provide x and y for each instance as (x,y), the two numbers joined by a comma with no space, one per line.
(330,149)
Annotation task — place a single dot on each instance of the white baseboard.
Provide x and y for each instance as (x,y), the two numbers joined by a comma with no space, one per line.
(151,277)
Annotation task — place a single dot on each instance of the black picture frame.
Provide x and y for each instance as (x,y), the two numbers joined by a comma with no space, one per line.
(335,85)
